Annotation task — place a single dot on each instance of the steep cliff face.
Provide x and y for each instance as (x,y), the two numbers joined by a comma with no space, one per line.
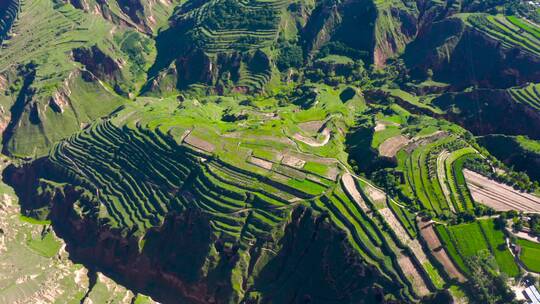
(395,28)
(463,56)
(486,111)
(145,16)
(380,31)
(512,152)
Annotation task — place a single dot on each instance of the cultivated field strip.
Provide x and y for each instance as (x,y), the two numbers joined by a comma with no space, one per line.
(364,234)
(499,196)
(428,233)
(467,240)
(528,95)
(510,31)
(433,173)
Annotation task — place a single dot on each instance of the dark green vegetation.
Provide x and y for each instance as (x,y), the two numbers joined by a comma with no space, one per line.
(486,284)
(254,151)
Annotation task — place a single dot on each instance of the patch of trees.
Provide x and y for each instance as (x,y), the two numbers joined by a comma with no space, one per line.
(290,55)
(486,283)
(229,14)
(230,116)
(338,73)
(522,8)
(518,180)
(339,48)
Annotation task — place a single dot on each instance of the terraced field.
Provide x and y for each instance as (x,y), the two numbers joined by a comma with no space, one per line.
(261,151)
(433,173)
(511,31)
(144,163)
(442,255)
(499,196)
(528,95)
(8,13)
(226,26)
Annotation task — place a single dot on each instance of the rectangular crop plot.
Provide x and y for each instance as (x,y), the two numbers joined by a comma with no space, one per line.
(530,253)
(499,196)
(199,143)
(467,240)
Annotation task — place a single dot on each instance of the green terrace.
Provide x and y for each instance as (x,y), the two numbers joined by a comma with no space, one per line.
(511,31)
(9,11)
(196,151)
(433,174)
(228,25)
(527,95)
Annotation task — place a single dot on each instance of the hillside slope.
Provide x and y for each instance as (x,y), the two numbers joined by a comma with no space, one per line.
(270,151)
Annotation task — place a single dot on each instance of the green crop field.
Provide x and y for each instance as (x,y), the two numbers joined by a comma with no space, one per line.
(434,174)
(497,244)
(467,240)
(529,254)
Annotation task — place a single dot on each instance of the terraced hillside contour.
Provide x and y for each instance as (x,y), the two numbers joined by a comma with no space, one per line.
(131,177)
(9,11)
(527,95)
(224,43)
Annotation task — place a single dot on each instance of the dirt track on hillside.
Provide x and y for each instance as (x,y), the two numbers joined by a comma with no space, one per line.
(499,196)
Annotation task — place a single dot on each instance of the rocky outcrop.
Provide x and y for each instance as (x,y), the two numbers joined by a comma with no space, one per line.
(99,64)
